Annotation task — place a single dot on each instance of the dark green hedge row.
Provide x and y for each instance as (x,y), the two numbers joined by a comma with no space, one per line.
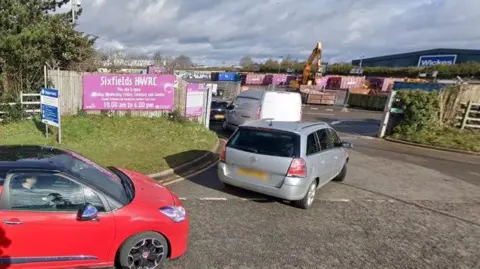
(369,102)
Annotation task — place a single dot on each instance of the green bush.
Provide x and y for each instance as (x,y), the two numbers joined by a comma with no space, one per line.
(12,113)
(421,111)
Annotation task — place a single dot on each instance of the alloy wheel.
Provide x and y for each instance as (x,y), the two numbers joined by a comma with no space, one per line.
(146,254)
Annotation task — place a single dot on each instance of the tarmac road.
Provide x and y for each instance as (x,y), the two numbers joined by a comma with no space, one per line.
(400,207)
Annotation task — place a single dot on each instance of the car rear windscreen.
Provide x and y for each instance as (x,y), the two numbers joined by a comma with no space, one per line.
(217,105)
(266,142)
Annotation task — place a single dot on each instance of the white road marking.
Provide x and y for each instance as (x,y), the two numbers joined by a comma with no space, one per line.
(475,173)
(212,199)
(336,122)
(317,114)
(328,109)
(314,108)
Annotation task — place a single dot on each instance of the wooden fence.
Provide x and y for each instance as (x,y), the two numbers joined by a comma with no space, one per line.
(470,115)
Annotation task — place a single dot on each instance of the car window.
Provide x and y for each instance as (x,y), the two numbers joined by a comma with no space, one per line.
(92,198)
(312,145)
(217,105)
(334,136)
(325,139)
(44,192)
(266,142)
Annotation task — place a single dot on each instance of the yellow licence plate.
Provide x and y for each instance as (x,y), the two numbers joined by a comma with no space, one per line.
(219,116)
(252,173)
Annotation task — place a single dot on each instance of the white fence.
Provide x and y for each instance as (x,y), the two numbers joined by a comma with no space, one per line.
(28,106)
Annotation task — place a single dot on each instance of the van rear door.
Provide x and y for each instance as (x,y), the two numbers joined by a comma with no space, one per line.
(282,106)
(261,156)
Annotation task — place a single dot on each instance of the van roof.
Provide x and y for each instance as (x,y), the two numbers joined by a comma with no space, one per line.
(289,126)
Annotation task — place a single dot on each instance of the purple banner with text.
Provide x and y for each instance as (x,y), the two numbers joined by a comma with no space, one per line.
(195,100)
(128,92)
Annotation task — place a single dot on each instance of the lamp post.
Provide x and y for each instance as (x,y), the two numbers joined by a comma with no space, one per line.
(279,64)
(74,4)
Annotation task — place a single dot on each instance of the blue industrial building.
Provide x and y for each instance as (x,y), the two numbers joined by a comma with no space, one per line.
(422,58)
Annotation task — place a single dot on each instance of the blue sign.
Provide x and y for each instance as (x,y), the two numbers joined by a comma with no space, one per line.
(50,106)
(431,60)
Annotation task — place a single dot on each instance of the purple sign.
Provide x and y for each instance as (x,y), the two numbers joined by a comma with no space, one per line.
(128,92)
(195,95)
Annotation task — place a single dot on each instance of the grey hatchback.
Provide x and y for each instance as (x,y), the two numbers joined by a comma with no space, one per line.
(288,160)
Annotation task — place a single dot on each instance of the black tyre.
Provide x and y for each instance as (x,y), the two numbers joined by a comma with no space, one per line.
(144,250)
(342,175)
(307,201)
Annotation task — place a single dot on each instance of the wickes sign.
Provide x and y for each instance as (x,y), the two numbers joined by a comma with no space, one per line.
(430,60)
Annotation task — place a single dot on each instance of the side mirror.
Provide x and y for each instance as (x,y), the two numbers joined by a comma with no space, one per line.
(230,107)
(347,145)
(87,212)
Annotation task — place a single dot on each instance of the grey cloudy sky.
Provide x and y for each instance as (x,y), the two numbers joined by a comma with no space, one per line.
(214,31)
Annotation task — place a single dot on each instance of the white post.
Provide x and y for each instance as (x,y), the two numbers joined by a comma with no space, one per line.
(73,6)
(386,114)
(59,81)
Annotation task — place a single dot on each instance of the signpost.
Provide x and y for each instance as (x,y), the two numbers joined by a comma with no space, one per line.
(50,106)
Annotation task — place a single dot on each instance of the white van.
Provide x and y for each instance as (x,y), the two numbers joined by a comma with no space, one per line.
(260,104)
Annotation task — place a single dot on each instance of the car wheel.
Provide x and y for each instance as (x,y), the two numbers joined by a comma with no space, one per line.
(145,250)
(342,175)
(224,125)
(307,201)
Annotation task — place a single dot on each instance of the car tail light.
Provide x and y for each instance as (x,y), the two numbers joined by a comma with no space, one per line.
(223,154)
(298,168)
(259,110)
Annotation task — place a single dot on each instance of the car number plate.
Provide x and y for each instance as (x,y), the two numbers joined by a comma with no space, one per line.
(252,173)
(219,116)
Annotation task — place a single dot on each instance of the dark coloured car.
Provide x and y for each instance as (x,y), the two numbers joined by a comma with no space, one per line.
(218,110)
(60,210)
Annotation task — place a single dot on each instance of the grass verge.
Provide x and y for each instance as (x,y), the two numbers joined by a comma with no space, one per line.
(143,144)
(444,137)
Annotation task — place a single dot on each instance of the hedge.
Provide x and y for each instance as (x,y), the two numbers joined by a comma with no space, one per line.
(370,102)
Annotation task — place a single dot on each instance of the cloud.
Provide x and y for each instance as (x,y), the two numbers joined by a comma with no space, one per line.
(212,31)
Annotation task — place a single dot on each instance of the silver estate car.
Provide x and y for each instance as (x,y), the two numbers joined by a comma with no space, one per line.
(288,160)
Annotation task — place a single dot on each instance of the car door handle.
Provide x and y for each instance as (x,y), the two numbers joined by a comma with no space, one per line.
(336,157)
(322,162)
(245,116)
(12,222)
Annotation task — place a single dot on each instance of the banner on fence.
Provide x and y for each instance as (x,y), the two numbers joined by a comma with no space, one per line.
(195,100)
(128,92)
(49,105)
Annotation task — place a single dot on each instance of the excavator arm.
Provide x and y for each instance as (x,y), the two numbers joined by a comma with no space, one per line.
(316,54)
(307,75)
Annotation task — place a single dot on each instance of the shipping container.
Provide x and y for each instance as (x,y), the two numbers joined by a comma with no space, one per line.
(227,76)
(214,76)
(322,81)
(349,82)
(334,83)
(282,79)
(398,85)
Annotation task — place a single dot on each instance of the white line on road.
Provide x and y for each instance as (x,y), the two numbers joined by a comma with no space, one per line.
(475,173)
(328,109)
(212,199)
(318,114)
(314,108)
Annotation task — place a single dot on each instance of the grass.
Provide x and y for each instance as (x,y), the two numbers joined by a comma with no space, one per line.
(143,144)
(445,137)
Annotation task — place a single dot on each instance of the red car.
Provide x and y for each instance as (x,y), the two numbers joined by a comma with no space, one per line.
(60,210)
